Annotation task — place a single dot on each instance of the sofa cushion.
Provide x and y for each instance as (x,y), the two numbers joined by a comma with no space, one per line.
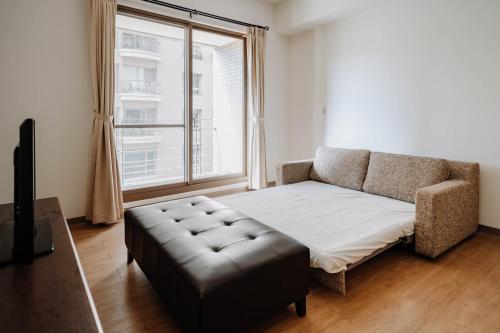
(401,176)
(341,167)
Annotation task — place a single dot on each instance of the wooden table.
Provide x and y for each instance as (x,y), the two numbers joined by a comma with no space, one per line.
(50,295)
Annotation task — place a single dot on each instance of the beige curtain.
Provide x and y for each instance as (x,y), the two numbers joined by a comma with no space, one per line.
(105,201)
(255,58)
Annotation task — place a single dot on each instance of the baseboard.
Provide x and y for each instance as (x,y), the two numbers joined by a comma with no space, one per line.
(81,219)
(489,230)
(77,220)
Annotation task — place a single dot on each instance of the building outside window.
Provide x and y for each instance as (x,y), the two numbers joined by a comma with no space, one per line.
(139,164)
(197,84)
(139,42)
(139,79)
(137,115)
(197,141)
(197,53)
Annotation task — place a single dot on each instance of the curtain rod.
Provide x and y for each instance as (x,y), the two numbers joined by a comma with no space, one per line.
(197,12)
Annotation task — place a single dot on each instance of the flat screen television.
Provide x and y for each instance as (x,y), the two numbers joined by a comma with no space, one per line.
(25,236)
(24,194)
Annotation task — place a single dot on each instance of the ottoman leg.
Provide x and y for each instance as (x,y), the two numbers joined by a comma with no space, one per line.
(129,258)
(300,307)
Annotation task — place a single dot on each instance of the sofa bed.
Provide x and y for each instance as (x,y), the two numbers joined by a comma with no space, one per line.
(347,205)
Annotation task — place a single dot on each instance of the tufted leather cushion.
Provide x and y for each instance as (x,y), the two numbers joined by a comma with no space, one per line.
(216,268)
(341,167)
(401,176)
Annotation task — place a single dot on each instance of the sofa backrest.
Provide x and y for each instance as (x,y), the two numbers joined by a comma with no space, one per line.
(341,167)
(401,176)
(464,170)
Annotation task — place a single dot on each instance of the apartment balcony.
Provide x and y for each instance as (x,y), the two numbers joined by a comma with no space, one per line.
(138,46)
(140,87)
(138,42)
(139,90)
(131,135)
(138,132)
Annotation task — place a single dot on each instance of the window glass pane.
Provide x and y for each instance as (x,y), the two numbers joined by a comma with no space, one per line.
(149,91)
(217,129)
(150,101)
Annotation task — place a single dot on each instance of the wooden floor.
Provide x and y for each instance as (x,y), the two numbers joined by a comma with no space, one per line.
(394,292)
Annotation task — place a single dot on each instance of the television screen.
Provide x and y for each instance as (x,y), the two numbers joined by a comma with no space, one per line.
(26,235)
(24,193)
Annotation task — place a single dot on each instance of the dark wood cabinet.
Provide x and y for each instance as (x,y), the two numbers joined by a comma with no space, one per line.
(51,294)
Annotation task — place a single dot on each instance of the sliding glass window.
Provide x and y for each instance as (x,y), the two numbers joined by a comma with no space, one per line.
(217,131)
(179,103)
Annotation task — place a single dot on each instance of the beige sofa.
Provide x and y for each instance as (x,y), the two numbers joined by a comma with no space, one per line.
(445,193)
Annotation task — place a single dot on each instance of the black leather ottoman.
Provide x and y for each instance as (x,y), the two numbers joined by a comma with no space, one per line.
(217,269)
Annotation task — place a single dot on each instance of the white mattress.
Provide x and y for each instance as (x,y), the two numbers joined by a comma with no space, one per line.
(340,226)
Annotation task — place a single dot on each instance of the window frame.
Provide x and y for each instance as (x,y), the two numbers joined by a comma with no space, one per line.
(190,184)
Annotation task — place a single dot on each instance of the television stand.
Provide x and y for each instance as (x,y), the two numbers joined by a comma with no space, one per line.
(42,238)
(51,294)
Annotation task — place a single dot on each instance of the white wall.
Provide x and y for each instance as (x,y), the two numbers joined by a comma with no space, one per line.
(306,93)
(44,70)
(296,16)
(416,77)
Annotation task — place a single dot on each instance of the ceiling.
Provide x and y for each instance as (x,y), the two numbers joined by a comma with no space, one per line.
(295,16)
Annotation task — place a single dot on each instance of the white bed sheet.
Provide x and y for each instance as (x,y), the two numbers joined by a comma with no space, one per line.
(340,226)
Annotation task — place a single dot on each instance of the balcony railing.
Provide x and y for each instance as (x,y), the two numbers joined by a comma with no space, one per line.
(140,87)
(139,132)
(141,43)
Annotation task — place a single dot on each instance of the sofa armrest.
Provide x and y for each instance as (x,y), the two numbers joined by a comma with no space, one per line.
(446,213)
(293,172)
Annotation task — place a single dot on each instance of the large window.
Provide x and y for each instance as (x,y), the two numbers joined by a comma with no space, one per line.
(176,129)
